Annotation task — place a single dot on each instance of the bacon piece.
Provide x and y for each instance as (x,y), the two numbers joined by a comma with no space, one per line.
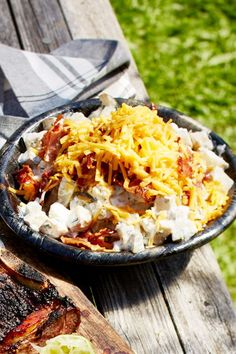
(134,185)
(59,117)
(45,179)
(24,174)
(88,163)
(134,182)
(102,240)
(185,166)
(186,197)
(208,177)
(118,178)
(51,141)
(91,161)
(81,182)
(29,186)
(141,191)
(80,243)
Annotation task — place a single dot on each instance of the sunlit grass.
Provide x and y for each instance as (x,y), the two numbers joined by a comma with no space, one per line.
(186,54)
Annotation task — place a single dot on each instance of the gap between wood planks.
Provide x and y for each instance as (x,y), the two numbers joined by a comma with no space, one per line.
(14,22)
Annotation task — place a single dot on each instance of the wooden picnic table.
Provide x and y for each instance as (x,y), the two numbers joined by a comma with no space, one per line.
(176,305)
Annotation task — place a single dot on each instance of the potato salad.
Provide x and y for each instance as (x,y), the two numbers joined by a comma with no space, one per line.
(121,179)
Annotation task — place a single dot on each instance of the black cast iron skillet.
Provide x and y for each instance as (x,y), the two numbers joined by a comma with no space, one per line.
(9,202)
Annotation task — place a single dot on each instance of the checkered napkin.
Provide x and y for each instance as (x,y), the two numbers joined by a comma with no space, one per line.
(32,83)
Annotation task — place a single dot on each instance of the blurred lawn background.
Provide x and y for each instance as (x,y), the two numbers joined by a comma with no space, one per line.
(186,54)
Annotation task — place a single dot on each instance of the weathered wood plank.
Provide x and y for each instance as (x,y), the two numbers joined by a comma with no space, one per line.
(132,301)
(91,19)
(96,19)
(30,33)
(41,24)
(7,29)
(199,303)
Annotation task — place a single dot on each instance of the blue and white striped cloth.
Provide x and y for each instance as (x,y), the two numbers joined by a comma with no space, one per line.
(32,83)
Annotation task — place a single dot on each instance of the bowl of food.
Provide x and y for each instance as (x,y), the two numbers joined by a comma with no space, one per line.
(116,182)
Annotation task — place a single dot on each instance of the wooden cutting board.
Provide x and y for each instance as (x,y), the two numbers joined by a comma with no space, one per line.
(93,325)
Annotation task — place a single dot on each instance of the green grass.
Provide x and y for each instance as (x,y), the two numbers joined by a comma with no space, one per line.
(186,54)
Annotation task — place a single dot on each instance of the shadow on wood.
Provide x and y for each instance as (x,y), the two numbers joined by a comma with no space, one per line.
(139,277)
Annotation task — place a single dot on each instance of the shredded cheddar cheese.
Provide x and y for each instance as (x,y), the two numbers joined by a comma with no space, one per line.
(137,143)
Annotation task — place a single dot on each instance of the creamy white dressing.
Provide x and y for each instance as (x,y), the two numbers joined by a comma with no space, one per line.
(176,221)
(48,122)
(32,143)
(108,106)
(212,159)
(79,216)
(201,139)
(121,198)
(33,214)
(77,117)
(65,191)
(54,228)
(183,134)
(219,175)
(135,232)
(33,140)
(131,238)
(29,157)
(221,149)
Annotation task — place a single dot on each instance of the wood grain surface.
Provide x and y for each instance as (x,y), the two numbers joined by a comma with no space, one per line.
(199,302)
(178,305)
(8,34)
(40,24)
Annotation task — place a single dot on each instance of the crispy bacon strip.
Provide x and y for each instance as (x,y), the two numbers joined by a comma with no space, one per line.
(104,237)
(51,141)
(208,177)
(134,186)
(88,168)
(98,241)
(185,166)
(46,183)
(142,192)
(186,197)
(90,161)
(29,186)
